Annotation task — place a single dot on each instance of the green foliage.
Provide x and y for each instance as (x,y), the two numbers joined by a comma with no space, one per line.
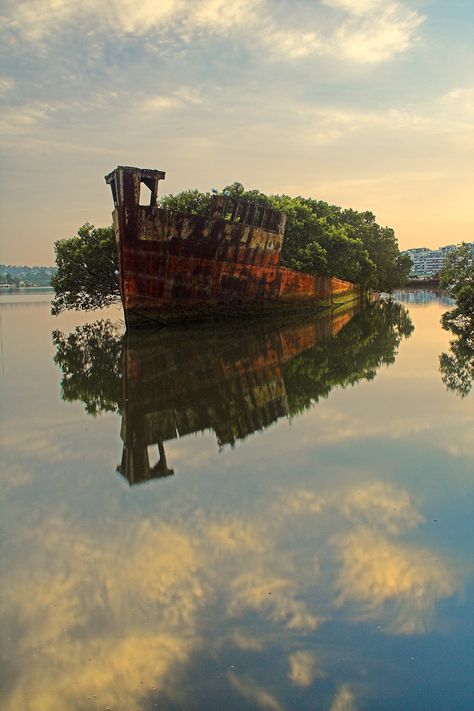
(87,270)
(457,277)
(192,201)
(457,366)
(89,358)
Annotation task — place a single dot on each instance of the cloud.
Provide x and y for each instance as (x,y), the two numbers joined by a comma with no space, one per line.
(379,504)
(370,31)
(37,19)
(374,502)
(71,582)
(37,443)
(180,98)
(24,119)
(255,694)
(379,37)
(6,83)
(344,700)
(122,633)
(391,582)
(275,598)
(304,668)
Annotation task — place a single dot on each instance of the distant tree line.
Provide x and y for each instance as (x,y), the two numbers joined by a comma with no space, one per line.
(26,276)
(320,239)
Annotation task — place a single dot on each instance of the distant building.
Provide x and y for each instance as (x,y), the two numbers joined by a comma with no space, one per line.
(429,262)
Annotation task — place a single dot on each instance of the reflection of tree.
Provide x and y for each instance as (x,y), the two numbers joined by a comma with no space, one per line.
(90,360)
(367,342)
(457,366)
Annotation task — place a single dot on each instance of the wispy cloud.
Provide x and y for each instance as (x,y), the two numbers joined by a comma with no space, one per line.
(369,31)
(6,83)
(379,36)
(25,118)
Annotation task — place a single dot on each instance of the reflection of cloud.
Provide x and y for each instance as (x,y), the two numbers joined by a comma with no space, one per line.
(245,641)
(111,633)
(35,443)
(256,694)
(115,612)
(398,583)
(303,668)
(344,700)
(373,502)
(275,598)
(13,477)
(238,536)
(377,503)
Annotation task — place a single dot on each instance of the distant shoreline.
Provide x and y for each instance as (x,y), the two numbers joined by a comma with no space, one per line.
(6,289)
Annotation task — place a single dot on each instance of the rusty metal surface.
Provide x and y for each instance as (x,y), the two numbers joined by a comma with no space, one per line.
(175,266)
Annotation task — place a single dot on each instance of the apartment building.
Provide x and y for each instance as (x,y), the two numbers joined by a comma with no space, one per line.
(428,262)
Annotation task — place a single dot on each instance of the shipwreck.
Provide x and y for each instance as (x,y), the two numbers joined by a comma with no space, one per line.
(176,267)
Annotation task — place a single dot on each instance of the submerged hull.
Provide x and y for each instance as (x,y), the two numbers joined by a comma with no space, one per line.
(176,267)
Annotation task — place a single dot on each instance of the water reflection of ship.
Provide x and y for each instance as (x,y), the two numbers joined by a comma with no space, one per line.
(225,380)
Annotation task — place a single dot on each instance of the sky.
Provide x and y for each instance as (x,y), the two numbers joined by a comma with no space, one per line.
(367,104)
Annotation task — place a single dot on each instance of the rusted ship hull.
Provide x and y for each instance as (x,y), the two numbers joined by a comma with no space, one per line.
(176,267)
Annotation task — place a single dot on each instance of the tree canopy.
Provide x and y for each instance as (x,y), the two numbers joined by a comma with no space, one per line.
(87,270)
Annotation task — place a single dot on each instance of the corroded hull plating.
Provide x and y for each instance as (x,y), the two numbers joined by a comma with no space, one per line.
(177,267)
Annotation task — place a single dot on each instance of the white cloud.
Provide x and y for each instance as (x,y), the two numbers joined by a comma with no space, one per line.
(344,700)
(181,97)
(294,44)
(357,7)
(257,695)
(161,103)
(6,83)
(380,36)
(139,628)
(36,19)
(22,119)
(384,580)
(459,102)
(304,668)
(370,31)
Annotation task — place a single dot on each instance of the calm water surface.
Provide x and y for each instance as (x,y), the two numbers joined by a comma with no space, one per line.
(271,517)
